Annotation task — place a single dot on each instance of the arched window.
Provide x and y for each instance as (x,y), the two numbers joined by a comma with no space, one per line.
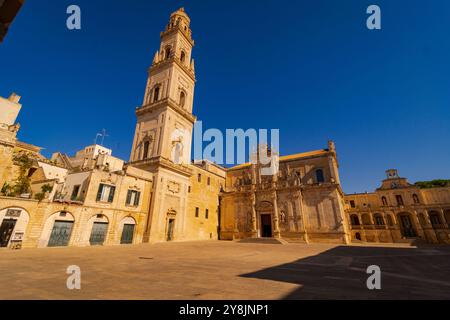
(319,176)
(182,56)
(379,220)
(182,98)
(358,236)
(355,220)
(435,219)
(415,198)
(146,148)
(168,52)
(384,200)
(156,94)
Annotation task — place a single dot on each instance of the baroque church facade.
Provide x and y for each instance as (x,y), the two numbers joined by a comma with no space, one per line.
(94,198)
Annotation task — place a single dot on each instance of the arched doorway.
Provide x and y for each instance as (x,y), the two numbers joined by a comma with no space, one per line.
(406,225)
(265,213)
(57,230)
(13,224)
(127,228)
(358,236)
(99,229)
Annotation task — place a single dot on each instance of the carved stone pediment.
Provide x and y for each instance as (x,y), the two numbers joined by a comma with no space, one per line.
(171,212)
(264,206)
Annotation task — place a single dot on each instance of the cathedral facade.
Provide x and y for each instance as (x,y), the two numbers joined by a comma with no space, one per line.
(302,202)
(158,195)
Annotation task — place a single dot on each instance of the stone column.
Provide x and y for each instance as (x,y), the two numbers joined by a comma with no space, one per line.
(374,226)
(302,222)
(387,226)
(427,218)
(254,229)
(443,221)
(236,220)
(291,221)
(276,227)
(419,228)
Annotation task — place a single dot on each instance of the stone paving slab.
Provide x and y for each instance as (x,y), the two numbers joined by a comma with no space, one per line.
(226,270)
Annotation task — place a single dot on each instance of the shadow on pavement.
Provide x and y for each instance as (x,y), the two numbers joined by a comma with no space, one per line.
(340,273)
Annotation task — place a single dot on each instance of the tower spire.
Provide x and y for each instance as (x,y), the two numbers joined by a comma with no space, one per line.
(156,57)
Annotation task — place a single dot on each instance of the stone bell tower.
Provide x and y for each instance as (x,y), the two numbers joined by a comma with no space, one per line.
(163,135)
(165,120)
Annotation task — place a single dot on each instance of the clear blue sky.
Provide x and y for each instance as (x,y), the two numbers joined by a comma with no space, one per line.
(310,68)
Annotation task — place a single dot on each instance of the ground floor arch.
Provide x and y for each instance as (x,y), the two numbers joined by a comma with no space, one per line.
(127,228)
(57,230)
(406,224)
(96,230)
(13,226)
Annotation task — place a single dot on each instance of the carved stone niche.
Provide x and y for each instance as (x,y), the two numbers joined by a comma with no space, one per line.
(173,187)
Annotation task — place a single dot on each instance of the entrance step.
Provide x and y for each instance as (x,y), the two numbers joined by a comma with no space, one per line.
(294,240)
(411,241)
(263,241)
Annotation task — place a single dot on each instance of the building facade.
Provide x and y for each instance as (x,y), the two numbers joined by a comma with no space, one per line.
(94,198)
(303,201)
(399,211)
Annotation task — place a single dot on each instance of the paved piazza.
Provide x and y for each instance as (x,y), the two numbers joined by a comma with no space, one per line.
(226,270)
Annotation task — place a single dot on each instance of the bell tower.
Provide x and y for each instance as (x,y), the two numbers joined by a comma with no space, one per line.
(165,120)
(163,135)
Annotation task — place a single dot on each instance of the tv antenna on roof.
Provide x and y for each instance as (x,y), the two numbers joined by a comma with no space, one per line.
(103,135)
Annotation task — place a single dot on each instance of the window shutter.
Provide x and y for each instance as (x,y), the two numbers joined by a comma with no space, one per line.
(136,199)
(99,193)
(128,197)
(111,194)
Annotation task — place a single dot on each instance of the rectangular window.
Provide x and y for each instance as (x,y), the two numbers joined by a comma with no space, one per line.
(206,214)
(199,178)
(105,193)
(75,191)
(399,200)
(196,212)
(352,204)
(133,198)
(209,181)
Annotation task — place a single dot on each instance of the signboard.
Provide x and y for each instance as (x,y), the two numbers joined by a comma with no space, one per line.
(13,213)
